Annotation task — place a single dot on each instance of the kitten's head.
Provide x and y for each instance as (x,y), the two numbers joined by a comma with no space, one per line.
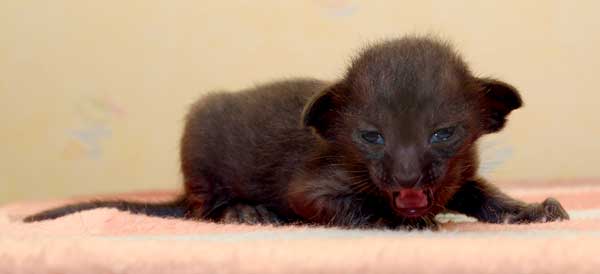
(409,110)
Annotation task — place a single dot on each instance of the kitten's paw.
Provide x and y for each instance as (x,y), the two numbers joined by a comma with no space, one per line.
(247,214)
(548,211)
(413,224)
(428,224)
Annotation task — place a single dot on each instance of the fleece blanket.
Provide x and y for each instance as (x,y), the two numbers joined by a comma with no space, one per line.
(111,241)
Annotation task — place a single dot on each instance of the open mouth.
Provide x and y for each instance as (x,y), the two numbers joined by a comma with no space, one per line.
(412,202)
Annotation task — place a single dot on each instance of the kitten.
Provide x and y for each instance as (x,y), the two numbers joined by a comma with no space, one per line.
(391,144)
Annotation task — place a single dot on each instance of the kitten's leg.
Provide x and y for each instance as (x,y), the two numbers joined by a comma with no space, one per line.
(223,210)
(481,200)
(207,200)
(326,202)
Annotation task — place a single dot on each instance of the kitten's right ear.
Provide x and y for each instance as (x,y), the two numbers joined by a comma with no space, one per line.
(320,111)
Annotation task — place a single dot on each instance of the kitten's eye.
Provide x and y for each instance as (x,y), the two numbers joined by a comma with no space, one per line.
(373,137)
(442,135)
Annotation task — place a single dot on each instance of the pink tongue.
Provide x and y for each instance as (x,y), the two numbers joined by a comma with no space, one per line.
(411,198)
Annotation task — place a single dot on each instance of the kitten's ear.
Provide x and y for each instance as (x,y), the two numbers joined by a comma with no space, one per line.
(320,111)
(499,99)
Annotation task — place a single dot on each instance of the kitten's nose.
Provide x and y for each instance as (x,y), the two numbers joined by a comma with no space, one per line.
(407,179)
(406,169)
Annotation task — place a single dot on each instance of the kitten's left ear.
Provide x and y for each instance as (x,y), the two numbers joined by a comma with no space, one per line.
(499,99)
(321,111)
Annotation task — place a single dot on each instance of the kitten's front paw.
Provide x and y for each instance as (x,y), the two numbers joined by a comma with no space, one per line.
(413,224)
(247,214)
(548,211)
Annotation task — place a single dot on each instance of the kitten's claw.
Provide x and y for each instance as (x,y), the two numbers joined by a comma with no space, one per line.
(548,211)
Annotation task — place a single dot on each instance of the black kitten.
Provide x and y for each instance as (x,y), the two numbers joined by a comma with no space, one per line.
(390,144)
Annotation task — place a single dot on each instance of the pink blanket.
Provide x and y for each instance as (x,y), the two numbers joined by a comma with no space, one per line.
(110,241)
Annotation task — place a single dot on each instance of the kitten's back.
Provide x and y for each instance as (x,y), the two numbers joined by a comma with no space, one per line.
(245,139)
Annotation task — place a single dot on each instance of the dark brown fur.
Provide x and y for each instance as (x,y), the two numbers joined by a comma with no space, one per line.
(291,151)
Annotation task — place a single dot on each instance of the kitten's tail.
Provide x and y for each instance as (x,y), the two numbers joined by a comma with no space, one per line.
(174,209)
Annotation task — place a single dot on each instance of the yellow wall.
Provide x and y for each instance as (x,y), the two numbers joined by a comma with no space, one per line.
(93,93)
